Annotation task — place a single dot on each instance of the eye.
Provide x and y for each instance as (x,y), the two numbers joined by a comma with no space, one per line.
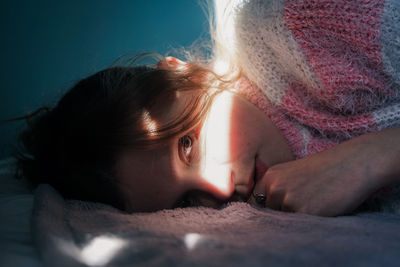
(185,147)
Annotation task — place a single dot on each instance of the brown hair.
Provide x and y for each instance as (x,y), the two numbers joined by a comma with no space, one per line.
(74,146)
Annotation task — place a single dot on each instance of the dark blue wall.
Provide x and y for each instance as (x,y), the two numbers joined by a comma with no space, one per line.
(46,45)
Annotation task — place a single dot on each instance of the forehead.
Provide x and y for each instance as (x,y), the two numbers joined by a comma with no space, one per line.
(176,113)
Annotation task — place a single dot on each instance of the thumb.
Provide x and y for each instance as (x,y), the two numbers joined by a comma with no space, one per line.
(263,196)
(258,197)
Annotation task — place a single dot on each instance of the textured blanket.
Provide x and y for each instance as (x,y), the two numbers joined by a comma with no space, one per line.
(75,233)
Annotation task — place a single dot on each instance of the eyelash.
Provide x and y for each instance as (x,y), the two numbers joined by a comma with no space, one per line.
(185,149)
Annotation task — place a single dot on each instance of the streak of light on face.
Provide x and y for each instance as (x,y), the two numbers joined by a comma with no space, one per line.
(215,163)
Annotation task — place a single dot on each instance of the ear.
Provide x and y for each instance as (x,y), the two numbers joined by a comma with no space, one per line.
(171,63)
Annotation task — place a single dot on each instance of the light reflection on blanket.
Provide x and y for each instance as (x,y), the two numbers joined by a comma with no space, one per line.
(97,252)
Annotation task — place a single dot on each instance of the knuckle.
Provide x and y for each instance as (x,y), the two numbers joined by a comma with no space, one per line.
(276,189)
(288,204)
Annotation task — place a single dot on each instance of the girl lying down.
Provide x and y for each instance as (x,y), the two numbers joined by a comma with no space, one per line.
(309,122)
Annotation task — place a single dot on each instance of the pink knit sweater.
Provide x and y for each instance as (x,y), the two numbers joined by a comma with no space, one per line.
(323,71)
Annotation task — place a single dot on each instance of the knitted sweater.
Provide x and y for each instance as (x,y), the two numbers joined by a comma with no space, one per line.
(323,71)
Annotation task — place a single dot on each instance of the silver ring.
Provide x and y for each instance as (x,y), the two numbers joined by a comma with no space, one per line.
(260,198)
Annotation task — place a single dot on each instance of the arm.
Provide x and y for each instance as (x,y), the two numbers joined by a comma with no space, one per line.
(337,180)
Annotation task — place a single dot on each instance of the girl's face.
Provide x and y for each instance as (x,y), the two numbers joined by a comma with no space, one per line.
(216,162)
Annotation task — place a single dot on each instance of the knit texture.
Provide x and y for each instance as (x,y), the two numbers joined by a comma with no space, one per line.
(323,71)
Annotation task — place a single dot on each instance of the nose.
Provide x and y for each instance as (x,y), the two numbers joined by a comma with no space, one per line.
(217,179)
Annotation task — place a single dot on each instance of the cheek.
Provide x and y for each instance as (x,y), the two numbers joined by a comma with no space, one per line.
(224,144)
(231,129)
(243,141)
(245,131)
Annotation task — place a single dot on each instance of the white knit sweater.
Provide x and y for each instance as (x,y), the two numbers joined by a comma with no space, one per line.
(323,71)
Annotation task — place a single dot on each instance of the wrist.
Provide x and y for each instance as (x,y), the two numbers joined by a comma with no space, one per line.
(384,152)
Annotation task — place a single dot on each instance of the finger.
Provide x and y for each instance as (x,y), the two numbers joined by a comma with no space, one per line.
(274,200)
(259,189)
(259,196)
(258,199)
(254,203)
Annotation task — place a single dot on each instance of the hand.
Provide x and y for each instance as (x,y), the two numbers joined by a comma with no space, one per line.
(330,183)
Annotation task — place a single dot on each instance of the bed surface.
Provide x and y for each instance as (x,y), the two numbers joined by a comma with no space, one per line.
(16,203)
(44,229)
(237,235)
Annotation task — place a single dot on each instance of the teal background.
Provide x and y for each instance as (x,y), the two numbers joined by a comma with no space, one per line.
(47,46)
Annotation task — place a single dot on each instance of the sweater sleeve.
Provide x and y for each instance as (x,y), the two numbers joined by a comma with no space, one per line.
(330,67)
